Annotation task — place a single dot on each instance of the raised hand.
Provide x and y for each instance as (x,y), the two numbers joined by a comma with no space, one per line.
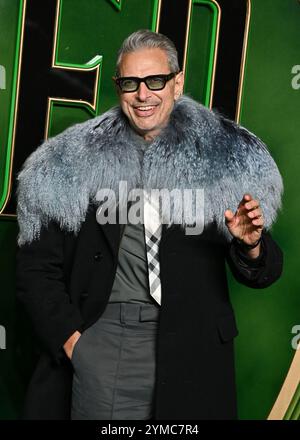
(247,223)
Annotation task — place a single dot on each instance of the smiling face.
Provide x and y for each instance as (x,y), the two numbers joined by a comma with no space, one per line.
(148,111)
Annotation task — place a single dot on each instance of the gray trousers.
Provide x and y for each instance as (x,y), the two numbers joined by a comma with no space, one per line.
(114,365)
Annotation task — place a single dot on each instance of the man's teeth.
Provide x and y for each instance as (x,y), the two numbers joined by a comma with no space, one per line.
(149,107)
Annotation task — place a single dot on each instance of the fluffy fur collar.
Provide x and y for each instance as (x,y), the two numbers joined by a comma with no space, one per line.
(198,149)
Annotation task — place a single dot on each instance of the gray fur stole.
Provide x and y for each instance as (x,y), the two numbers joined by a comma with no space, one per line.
(197,149)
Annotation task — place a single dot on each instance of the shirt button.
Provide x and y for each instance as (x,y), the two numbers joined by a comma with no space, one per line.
(98,256)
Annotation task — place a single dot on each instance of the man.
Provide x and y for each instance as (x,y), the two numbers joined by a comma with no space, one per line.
(130,331)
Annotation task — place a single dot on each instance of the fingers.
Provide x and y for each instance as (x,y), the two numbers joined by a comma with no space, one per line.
(229,215)
(254,211)
(252,204)
(259,222)
(246,198)
(248,202)
(249,207)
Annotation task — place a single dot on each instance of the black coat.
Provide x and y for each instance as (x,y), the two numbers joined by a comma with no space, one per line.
(65,281)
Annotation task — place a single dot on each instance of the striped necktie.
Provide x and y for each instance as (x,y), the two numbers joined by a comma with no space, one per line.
(153,228)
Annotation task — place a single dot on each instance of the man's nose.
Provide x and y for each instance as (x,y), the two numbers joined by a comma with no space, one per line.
(143,92)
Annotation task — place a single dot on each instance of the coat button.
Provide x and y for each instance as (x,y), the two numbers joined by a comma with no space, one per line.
(83,296)
(98,256)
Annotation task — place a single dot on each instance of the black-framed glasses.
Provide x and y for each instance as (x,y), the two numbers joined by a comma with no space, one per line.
(153,82)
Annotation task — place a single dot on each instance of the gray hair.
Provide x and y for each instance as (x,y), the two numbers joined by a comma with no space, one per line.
(145,39)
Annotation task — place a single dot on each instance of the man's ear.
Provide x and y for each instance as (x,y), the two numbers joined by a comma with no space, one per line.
(179,84)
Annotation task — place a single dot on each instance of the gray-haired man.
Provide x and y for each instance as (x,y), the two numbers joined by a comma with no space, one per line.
(111,350)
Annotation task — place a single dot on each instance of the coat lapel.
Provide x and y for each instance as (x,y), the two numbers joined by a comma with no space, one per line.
(112,233)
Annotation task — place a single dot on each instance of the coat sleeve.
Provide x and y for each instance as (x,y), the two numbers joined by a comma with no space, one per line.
(260,272)
(42,288)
